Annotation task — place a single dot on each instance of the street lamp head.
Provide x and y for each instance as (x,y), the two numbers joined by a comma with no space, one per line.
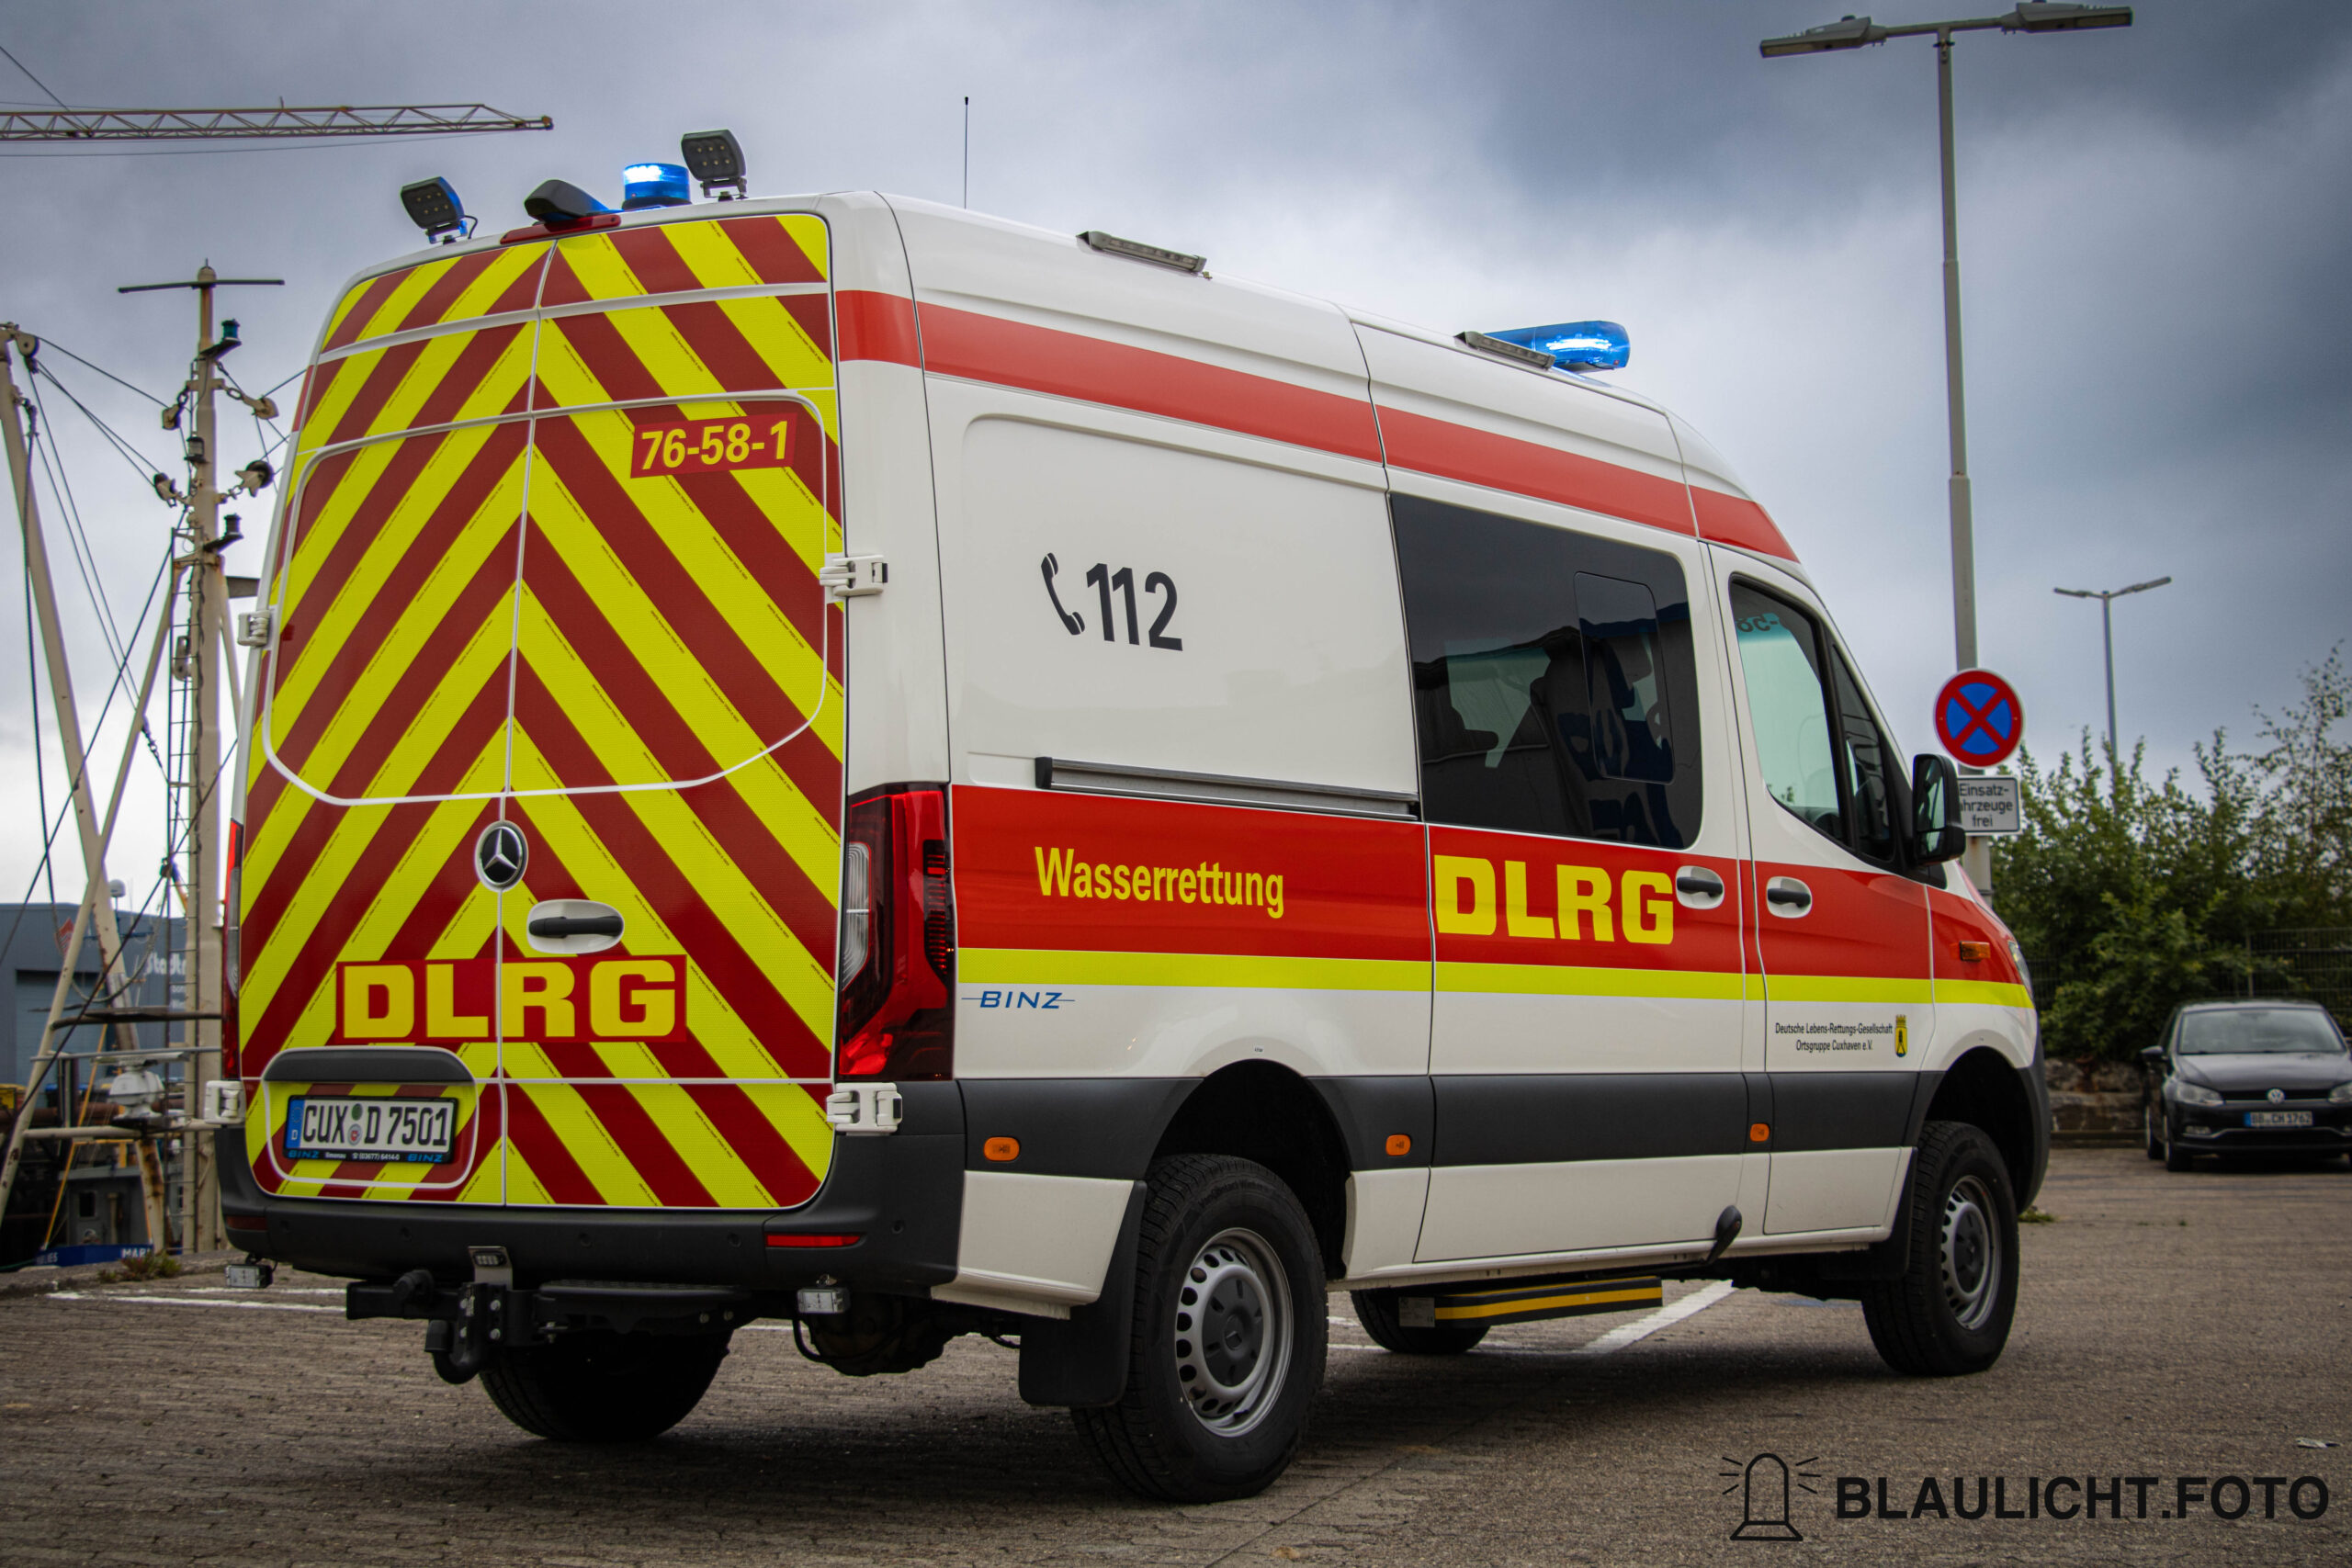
(2049,16)
(2076,593)
(2142,587)
(1849,32)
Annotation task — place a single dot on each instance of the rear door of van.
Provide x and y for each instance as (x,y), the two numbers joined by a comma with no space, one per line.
(549,560)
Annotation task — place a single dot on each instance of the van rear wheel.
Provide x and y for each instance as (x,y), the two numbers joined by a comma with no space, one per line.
(1228,1340)
(600,1387)
(1376,1310)
(1949,1313)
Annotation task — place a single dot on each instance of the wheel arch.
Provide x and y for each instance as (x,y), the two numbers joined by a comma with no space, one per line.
(1266,1112)
(1984,1089)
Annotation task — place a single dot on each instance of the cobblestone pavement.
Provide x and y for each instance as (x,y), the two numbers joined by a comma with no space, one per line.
(2172,1327)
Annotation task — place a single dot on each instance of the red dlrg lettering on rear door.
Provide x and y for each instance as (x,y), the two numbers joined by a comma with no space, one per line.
(551,1001)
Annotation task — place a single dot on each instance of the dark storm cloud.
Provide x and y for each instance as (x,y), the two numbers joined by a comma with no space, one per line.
(2153,229)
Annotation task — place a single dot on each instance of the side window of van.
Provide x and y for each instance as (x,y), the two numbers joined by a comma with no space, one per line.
(1550,670)
(1821,754)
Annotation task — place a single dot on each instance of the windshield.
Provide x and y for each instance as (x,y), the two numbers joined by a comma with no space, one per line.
(2246,1031)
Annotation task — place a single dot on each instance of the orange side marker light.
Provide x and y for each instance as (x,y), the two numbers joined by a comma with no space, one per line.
(1399,1144)
(1001,1149)
(1975,951)
(1758,1132)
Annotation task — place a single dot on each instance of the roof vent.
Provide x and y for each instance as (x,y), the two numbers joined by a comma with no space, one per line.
(1136,250)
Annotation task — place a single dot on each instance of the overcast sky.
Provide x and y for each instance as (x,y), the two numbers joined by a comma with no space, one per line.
(2152,228)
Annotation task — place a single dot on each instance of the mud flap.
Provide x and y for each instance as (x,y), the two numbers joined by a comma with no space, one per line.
(1081,1360)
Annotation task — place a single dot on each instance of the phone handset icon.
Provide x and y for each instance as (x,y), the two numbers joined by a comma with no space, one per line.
(1070,623)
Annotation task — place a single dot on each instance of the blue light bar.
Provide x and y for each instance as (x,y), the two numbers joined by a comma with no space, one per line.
(654,185)
(1576,345)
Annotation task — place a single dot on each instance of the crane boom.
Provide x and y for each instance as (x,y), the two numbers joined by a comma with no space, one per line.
(190,125)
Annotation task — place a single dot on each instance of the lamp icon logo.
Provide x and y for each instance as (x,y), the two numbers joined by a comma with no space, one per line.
(1763,1485)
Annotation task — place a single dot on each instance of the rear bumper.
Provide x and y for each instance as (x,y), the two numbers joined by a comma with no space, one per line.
(901,1194)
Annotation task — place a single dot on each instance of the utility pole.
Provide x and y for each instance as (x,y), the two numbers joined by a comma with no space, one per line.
(207,590)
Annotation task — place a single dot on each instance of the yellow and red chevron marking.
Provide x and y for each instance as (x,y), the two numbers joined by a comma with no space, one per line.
(643,673)
(436,293)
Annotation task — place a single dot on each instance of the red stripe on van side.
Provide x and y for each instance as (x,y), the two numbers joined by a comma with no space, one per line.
(1729,520)
(877,326)
(1526,468)
(1070,365)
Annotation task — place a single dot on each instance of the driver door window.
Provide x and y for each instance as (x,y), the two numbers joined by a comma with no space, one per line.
(1822,756)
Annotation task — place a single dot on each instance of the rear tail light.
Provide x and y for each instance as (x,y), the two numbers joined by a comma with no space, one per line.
(897,1018)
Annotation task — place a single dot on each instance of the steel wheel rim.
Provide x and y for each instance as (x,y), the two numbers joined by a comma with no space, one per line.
(1231,1337)
(1970,1253)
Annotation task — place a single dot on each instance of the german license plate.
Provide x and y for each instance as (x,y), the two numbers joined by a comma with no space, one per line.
(2277,1118)
(402,1132)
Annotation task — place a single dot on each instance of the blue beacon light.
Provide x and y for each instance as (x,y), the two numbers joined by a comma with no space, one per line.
(654,185)
(1576,345)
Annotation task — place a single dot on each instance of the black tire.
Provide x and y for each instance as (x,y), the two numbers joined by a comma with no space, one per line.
(2152,1120)
(597,1387)
(1376,1310)
(2176,1157)
(1203,1419)
(1949,1313)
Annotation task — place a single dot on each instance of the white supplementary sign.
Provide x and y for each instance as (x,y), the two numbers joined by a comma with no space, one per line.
(1992,802)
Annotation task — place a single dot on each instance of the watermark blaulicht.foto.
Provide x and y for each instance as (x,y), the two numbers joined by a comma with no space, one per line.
(1768,1485)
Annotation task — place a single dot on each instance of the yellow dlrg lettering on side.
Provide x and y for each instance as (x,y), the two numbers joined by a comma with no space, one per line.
(1516,920)
(442,1020)
(1453,873)
(1584,890)
(1648,902)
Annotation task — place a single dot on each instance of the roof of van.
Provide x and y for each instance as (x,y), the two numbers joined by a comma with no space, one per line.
(964,294)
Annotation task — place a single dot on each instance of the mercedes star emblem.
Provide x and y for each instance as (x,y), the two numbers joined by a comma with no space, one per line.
(499,855)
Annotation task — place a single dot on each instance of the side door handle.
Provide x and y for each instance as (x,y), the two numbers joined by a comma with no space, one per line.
(1696,888)
(1788,898)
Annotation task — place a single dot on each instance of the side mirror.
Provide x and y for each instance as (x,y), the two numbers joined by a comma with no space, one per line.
(1936,831)
(2151,1054)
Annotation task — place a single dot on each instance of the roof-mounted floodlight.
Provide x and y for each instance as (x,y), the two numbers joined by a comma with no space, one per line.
(1136,250)
(1502,348)
(1848,32)
(2048,18)
(715,159)
(433,206)
(560,204)
(653,185)
(1574,345)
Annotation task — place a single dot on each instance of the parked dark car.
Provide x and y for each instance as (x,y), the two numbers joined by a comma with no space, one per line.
(2248,1078)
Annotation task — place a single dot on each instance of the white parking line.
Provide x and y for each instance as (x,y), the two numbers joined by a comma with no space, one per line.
(1666,1316)
(185,1302)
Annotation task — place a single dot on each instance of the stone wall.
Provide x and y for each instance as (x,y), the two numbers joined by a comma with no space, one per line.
(2094,1099)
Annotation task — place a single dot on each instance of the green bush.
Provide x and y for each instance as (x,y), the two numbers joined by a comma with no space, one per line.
(2131,895)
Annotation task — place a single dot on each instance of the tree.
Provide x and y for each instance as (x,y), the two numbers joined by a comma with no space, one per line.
(2131,896)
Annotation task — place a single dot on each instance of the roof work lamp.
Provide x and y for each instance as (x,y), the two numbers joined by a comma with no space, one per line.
(433,206)
(715,158)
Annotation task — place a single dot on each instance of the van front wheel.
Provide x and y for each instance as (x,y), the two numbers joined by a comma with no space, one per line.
(1950,1311)
(1228,1338)
(599,1387)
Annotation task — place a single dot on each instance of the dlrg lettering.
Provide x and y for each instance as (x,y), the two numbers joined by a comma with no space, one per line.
(1467,905)
(1061,874)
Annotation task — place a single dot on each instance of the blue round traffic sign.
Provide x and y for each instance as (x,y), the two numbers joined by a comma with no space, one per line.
(1979,719)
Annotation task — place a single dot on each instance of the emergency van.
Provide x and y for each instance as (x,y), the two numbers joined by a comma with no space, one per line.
(843,760)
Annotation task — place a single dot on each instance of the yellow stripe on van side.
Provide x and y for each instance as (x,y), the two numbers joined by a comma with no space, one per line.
(1052,967)
(1571,980)
(1988,993)
(1862,989)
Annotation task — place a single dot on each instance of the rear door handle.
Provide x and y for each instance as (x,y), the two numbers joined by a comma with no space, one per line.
(1696,888)
(576,925)
(1788,898)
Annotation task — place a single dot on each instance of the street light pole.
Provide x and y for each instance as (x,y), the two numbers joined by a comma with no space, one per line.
(2106,598)
(1858,32)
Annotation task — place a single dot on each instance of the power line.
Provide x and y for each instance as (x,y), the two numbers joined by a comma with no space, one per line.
(52,345)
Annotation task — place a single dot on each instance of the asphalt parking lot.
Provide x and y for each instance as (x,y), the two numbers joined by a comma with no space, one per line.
(2187,1329)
